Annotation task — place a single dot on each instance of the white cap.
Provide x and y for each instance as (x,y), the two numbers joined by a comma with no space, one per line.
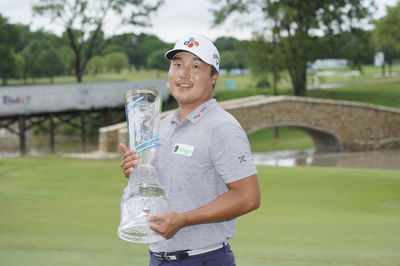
(199,46)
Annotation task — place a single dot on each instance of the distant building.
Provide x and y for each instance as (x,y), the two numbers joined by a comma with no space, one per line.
(327,63)
(235,71)
(379,59)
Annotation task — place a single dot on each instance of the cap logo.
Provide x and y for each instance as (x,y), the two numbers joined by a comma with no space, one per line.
(216,58)
(191,42)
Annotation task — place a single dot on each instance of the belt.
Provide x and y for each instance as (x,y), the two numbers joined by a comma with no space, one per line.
(180,255)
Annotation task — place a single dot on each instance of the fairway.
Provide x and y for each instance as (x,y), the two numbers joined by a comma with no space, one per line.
(57,211)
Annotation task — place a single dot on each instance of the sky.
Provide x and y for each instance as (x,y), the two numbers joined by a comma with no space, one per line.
(175,19)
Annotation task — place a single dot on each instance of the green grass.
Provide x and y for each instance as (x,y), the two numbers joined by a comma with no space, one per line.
(62,212)
(384,92)
(344,75)
(323,216)
(123,75)
(380,91)
(288,139)
(57,211)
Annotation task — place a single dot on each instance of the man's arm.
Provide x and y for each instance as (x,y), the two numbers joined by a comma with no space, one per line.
(243,196)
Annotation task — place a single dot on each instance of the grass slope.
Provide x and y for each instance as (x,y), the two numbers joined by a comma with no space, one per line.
(56,211)
(288,139)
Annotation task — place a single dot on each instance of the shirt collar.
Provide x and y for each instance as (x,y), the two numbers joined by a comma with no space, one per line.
(197,114)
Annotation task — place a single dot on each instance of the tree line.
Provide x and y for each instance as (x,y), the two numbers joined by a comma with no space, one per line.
(29,55)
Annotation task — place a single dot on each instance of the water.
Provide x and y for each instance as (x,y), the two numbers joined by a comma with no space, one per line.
(383,159)
(380,159)
(40,145)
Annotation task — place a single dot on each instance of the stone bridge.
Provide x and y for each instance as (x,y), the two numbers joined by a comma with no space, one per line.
(333,125)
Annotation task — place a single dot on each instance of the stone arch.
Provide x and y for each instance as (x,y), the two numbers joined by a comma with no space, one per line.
(324,141)
(333,125)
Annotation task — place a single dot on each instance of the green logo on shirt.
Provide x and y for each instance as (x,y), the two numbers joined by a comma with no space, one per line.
(183,149)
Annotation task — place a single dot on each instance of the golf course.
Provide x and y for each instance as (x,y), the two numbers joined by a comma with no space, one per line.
(63,211)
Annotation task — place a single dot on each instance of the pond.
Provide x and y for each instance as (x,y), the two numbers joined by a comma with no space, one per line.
(384,159)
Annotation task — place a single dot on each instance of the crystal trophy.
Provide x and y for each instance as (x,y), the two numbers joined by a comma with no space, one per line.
(143,196)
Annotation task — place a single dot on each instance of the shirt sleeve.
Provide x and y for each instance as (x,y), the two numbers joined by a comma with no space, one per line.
(230,152)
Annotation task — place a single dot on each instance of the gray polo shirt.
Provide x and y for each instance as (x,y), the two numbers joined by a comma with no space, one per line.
(197,158)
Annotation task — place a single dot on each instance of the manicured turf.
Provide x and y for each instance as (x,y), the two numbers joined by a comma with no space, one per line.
(381,92)
(288,139)
(56,211)
(384,92)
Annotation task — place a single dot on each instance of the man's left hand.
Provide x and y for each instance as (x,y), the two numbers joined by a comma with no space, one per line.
(166,224)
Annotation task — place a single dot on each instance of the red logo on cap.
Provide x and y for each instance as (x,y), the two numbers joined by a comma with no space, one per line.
(191,42)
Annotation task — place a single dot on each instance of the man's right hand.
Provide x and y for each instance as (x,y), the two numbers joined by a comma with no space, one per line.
(129,159)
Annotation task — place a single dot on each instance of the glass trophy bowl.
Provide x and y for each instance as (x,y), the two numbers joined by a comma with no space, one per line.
(143,196)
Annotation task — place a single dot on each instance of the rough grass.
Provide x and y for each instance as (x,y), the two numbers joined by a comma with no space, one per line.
(57,211)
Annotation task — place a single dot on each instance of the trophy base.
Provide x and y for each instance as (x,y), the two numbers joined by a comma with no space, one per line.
(138,232)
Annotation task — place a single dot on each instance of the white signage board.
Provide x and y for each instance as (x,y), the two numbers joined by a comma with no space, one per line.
(31,99)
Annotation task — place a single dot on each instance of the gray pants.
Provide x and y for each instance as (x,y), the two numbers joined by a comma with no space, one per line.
(220,257)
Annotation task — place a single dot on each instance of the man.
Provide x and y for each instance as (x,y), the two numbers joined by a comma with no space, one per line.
(205,165)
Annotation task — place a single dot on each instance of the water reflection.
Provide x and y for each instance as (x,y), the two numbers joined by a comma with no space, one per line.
(65,144)
(71,146)
(386,159)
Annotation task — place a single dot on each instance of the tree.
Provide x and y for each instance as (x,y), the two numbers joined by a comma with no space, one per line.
(96,65)
(229,60)
(357,48)
(67,57)
(51,63)
(266,57)
(8,62)
(141,46)
(157,61)
(297,24)
(84,21)
(387,36)
(355,45)
(233,52)
(32,66)
(226,44)
(117,61)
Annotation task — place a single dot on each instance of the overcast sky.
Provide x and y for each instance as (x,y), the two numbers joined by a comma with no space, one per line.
(176,18)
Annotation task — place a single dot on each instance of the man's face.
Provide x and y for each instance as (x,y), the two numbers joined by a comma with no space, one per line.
(190,79)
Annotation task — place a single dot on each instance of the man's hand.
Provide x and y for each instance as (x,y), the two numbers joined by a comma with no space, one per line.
(166,224)
(129,159)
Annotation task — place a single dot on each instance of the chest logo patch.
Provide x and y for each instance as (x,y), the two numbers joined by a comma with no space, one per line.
(183,149)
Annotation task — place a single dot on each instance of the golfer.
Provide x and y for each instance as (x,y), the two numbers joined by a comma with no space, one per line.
(205,165)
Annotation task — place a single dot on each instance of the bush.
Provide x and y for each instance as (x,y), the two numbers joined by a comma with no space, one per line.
(117,61)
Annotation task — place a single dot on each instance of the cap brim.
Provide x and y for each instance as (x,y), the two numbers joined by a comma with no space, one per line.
(170,54)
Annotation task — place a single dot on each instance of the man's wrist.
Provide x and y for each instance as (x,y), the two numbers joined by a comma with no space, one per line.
(184,219)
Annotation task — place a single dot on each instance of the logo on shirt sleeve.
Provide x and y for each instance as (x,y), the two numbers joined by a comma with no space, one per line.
(183,149)
(242,159)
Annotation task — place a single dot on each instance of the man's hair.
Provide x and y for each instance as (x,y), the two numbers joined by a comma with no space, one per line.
(213,72)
